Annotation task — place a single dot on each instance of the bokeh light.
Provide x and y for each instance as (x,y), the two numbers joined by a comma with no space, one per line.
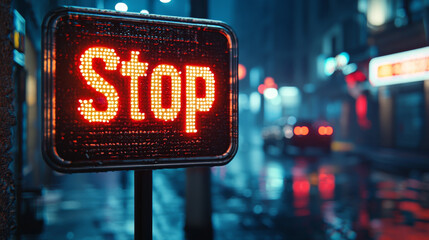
(122,7)
(241,71)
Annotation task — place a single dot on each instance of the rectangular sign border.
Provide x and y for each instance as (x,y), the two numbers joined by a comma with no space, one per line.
(48,63)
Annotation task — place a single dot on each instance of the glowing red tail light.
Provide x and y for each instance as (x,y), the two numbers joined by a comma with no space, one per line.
(304,130)
(301,130)
(329,130)
(325,130)
(297,131)
(322,130)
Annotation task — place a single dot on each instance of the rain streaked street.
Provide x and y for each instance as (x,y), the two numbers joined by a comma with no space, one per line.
(257,196)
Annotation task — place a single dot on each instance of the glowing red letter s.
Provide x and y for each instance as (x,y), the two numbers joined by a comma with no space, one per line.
(94,80)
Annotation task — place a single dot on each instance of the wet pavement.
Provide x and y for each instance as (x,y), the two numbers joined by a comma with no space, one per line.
(257,196)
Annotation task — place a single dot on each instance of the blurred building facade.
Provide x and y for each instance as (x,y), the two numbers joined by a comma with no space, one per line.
(292,40)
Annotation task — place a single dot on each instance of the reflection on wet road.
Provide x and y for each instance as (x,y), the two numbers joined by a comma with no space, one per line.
(337,196)
(257,196)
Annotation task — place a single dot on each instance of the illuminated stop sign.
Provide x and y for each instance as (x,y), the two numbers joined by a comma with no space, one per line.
(131,91)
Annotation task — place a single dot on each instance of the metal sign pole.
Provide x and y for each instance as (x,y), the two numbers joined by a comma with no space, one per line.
(143,204)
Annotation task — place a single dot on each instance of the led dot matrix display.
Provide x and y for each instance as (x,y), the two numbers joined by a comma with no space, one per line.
(129,91)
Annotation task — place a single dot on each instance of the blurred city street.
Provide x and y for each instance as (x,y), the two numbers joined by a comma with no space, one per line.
(327,101)
(257,196)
